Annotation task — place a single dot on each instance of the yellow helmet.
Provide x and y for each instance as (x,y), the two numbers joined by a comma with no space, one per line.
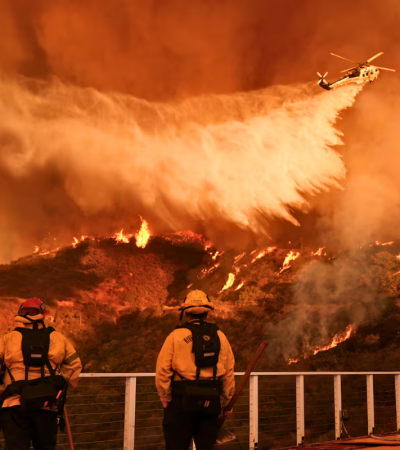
(198,303)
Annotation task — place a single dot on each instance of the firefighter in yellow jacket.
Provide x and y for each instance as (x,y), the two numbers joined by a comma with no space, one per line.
(38,363)
(195,377)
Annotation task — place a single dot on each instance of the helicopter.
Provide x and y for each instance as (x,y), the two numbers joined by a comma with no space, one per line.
(359,74)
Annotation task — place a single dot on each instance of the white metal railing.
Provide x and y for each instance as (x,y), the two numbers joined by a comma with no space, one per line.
(284,393)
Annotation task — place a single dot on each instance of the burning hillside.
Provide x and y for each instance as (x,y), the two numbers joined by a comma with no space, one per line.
(304,301)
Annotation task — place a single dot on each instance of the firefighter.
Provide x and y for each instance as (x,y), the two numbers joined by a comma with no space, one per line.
(39,364)
(194,377)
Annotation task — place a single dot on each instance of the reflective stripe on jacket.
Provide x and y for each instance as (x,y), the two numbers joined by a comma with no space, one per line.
(176,356)
(62,357)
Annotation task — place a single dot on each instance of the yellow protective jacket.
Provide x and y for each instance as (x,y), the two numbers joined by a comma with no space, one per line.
(176,356)
(62,356)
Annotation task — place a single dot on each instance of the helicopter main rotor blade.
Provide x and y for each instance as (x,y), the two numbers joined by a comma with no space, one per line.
(385,68)
(337,56)
(346,70)
(378,54)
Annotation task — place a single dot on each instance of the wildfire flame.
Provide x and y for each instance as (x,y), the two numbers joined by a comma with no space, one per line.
(239,257)
(36,249)
(291,256)
(229,283)
(337,339)
(263,253)
(240,286)
(75,242)
(143,236)
(205,271)
(121,237)
(216,254)
(293,361)
(318,252)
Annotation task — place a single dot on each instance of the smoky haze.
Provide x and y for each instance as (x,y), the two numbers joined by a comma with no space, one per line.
(135,111)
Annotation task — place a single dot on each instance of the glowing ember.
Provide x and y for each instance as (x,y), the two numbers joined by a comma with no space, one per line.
(318,252)
(75,242)
(190,285)
(291,256)
(228,284)
(337,339)
(240,286)
(143,236)
(263,253)
(121,237)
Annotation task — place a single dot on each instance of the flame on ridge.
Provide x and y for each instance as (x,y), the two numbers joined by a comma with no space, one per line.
(143,236)
(291,256)
(337,339)
(121,237)
(229,283)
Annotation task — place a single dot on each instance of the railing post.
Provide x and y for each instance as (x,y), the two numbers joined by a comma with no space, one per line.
(300,408)
(397,387)
(130,411)
(337,388)
(253,398)
(370,403)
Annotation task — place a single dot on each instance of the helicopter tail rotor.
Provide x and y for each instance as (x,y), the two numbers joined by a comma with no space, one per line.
(322,78)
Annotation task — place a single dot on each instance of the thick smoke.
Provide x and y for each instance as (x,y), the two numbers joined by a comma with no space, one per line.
(216,158)
(327,299)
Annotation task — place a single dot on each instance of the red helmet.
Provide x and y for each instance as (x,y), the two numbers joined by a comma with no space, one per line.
(32,307)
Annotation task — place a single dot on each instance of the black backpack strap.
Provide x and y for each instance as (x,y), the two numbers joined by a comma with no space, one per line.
(52,371)
(9,373)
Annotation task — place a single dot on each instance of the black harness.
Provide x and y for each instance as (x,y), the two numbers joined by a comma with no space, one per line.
(200,395)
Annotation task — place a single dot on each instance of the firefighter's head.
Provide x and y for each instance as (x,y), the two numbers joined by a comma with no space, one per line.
(32,310)
(196,305)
